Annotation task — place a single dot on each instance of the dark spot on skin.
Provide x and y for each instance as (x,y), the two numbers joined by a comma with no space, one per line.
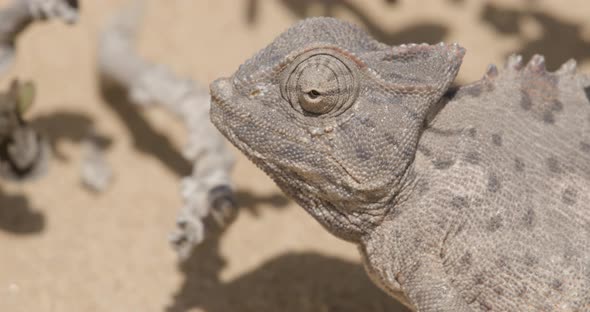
(518,164)
(493,183)
(529,217)
(549,307)
(569,253)
(548,117)
(423,187)
(472,132)
(522,291)
(459,202)
(485,305)
(408,151)
(291,151)
(530,259)
(557,285)
(424,150)
(557,106)
(479,279)
(367,122)
(585,147)
(460,229)
(413,115)
(553,165)
(442,164)
(417,243)
(499,291)
(466,259)
(501,262)
(346,127)
(497,139)
(525,101)
(569,196)
(472,157)
(390,138)
(474,90)
(494,223)
(540,96)
(587,92)
(362,153)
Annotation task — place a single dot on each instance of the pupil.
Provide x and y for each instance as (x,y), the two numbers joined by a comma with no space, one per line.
(313,94)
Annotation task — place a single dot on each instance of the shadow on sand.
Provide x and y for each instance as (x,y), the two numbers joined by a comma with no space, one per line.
(418,33)
(17,216)
(291,282)
(146,138)
(559,39)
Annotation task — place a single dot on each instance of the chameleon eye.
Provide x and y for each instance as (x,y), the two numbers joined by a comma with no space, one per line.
(320,84)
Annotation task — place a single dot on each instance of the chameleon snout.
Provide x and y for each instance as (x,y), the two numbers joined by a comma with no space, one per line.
(221,91)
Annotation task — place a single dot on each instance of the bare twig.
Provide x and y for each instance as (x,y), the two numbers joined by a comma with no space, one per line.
(21,13)
(209,203)
(23,152)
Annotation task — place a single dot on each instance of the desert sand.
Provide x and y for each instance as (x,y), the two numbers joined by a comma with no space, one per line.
(63,248)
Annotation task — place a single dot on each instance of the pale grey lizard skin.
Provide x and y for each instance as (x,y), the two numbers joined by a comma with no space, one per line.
(460,199)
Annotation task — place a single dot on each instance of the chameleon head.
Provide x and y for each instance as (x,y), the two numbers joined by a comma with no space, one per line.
(334,116)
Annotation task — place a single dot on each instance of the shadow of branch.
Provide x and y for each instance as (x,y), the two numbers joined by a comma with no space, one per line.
(559,39)
(66,126)
(252,202)
(17,216)
(418,33)
(145,137)
(291,282)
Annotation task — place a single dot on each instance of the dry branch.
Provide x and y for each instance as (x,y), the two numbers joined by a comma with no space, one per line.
(21,13)
(209,203)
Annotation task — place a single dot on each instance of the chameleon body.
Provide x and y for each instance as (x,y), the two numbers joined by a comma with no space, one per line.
(471,198)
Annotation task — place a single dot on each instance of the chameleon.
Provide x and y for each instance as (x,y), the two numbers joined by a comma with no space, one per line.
(459,198)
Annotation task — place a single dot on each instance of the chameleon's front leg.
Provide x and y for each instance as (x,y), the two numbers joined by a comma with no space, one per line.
(426,285)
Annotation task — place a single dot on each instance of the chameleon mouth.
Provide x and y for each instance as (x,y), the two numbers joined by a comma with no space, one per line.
(221,95)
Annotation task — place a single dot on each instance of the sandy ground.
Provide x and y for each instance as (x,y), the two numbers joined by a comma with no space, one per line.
(65,249)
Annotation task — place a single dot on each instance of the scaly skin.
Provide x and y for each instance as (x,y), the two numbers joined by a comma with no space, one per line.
(467,199)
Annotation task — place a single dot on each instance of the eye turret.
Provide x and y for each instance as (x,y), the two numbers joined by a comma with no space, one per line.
(319,83)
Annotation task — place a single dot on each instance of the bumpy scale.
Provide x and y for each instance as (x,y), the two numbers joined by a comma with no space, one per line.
(474,198)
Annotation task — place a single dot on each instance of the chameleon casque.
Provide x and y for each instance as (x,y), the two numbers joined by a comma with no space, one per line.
(471,198)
